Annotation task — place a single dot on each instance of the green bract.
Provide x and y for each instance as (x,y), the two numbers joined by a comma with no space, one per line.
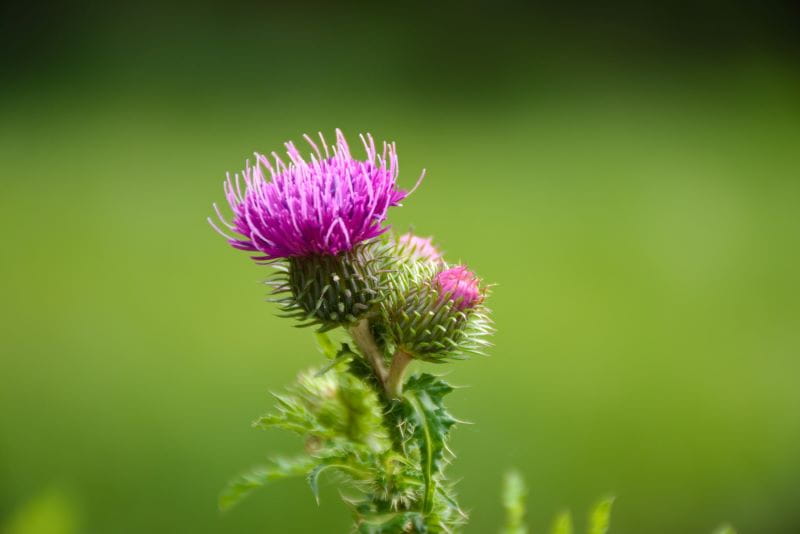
(332,290)
(422,321)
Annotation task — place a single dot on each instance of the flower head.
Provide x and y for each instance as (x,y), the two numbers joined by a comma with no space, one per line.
(323,206)
(418,248)
(435,312)
(460,285)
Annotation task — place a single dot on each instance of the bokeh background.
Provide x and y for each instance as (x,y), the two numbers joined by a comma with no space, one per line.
(627,175)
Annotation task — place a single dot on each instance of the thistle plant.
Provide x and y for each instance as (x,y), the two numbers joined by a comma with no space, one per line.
(319,222)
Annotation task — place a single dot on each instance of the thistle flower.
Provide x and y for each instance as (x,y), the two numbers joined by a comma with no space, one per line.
(316,221)
(417,248)
(326,205)
(461,286)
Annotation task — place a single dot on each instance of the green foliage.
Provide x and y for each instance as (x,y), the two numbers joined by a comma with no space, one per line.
(562,524)
(326,346)
(599,520)
(241,486)
(514,493)
(333,411)
(429,422)
(390,454)
(600,516)
(396,522)
(386,446)
(50,512)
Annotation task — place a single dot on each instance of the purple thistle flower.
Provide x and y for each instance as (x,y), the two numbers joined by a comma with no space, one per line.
(325,206)
(419,248)
(460,285)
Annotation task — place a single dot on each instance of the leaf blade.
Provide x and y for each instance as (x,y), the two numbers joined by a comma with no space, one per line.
(514,493)
(600,516)
(562,524)
(258,477)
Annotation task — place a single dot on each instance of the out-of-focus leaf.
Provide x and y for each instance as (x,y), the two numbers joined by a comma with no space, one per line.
(394,523)
(342,356)
(600,516)
(333,408)
(51,512)
(562,523)
(514,493)
(326,345)
(725,529)
(241,486)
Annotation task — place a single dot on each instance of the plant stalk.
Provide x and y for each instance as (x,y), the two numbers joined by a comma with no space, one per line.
(394,380)
(362,337)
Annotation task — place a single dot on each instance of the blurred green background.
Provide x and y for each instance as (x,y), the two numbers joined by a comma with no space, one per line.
(628,176)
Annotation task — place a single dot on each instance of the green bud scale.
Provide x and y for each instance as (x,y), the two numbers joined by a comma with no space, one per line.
(332,290)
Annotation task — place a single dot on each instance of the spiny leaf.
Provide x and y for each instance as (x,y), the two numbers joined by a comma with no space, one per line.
(432,422)
(393,524)
(343,464)
(562,523)
(514,493)
(600,516)
(241,486)
(313,478)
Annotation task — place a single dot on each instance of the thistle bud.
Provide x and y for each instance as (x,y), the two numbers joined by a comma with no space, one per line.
(435,312)
(415,248)
(461,286)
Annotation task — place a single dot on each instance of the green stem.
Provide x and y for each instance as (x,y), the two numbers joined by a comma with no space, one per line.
(394,380)
(362,337)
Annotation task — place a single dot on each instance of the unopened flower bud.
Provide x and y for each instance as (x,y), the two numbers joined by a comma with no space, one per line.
(461,286)
(416,248)
(433,312)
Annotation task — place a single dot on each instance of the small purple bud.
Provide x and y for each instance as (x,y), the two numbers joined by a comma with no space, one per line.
(460,285)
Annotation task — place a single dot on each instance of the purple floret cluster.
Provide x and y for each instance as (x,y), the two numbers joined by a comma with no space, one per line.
(323,205)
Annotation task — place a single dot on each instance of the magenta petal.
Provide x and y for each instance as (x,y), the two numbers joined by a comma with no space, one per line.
(325,205)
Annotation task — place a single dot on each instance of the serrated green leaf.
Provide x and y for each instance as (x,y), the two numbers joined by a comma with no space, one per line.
(600,516)
(514,493)
(241,486)
(424,396)
(562,523)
